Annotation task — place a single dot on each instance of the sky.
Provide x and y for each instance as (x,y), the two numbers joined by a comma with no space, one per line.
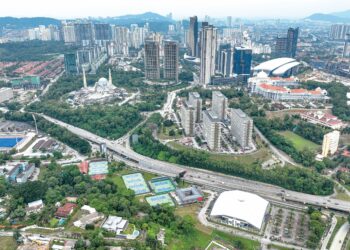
(63,9)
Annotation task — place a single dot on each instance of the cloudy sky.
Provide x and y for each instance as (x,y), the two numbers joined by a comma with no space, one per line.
(179,8)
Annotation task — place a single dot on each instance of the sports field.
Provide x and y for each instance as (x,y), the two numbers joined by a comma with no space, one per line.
(161,199)
(136,182)
(161,185)
(299,142)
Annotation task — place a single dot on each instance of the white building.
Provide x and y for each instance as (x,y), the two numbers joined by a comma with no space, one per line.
(208,54)
(219,104)
(115,224)
(211,130)
(195,100)
(241,127)
(240,209)
(187,115)
(6,94)
(35,206)
(330,143)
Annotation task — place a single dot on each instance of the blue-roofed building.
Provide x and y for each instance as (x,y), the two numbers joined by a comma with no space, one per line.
(21,172)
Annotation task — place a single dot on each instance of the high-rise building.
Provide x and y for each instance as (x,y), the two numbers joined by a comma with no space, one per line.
(187,116)
(211,130)
(71,64)
(208,54)
(221,56)
(121,36)
(229,21)
(102,32)
(287,46)
(84,33)
(196,101)
(346,50)
(219,104)
(242,62)
(339,31)
(330,143)
(68,33)
(152,64)
(241,127)
(171,60)
(193,35)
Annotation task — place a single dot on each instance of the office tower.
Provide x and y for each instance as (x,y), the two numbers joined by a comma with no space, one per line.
(187,116)
(287,46)
(71,64)
(84,33)
(102,32)
(229,21)
(339,31)
(219,104)
(224,59)
(195,100)
(211,130)
(121,36)
(68,33)
(193,35)
(171,60)
(208,54)
(242,62)
(330,143)
(241,127)
(346,51)
(152,70)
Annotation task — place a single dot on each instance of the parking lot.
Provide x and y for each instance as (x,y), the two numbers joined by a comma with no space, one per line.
(289,226)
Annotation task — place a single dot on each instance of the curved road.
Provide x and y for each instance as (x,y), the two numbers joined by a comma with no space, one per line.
(204,177)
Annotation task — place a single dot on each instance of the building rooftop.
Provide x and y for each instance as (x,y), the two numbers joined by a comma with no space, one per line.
(242,206)
(212,116)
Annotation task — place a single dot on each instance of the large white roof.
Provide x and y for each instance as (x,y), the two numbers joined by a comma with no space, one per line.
(273,64)
(242,206)
(283,69)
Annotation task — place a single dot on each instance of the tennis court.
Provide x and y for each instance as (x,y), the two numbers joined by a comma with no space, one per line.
(161,199)
(162,185)
(136,182)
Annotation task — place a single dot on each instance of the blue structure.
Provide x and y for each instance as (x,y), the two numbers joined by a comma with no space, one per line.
(242,61)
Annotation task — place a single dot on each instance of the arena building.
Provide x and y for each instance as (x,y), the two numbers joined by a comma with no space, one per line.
(240,209)
(283,67)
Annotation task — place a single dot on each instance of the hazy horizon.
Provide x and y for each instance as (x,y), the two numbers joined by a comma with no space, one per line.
(251,9)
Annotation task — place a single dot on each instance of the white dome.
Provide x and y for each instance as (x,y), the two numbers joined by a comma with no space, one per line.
(102,82)
(262,74)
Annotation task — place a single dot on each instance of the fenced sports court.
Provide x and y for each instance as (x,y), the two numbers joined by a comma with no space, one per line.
(161,199)
(136,182)
(162,185)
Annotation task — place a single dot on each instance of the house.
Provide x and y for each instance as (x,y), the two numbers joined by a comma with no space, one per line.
(115,224)
(21,172)
(65,210)
(88,219)
(188,195)
(35,206)
(87,209)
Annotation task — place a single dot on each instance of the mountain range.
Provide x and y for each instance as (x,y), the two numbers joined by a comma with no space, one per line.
(336,17)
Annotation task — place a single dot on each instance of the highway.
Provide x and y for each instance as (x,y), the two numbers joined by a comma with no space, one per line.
(204,177)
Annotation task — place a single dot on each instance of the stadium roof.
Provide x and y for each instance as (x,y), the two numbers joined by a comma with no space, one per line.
(242,206)
(277,66)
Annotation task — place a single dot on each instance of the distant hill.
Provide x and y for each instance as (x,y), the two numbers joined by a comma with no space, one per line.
(27,22)
(337,17)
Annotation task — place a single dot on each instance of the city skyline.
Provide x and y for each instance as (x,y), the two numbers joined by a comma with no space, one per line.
(180,8)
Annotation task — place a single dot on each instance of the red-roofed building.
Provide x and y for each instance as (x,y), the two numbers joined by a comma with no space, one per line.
(84,167)
(323,119)
(66,210)
(98,177)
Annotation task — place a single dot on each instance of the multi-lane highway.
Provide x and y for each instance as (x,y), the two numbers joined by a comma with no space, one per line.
(203,177)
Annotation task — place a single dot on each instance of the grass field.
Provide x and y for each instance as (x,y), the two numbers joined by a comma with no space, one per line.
(342,196)
(299,142)
(261,155)
(7,243)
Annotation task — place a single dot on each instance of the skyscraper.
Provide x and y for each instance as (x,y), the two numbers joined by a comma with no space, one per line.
(195,100)
(229,21)
(330,143)
(84,33)
(152,64)
(287,46)
(346,50)
(241,127)
(187,115)
(193,35)
(208,54)
(224,59)
(211,130)
(68,32)
(171,60)
(102,32)
(219,104)
(242,62)
(71,64)
(339,31)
